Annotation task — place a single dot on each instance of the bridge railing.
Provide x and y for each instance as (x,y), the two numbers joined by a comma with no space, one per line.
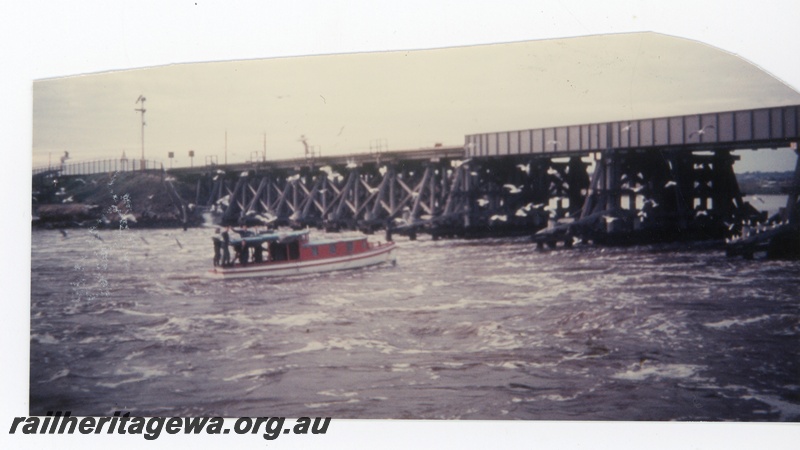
(101,166)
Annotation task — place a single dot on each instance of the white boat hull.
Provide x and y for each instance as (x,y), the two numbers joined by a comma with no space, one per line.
(375,256)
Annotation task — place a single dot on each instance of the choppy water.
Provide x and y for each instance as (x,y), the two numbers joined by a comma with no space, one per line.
(487,329)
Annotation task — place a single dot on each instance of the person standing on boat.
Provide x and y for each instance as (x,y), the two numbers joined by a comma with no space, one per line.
(243,253)
(258,253)
(217,248)
(226,240)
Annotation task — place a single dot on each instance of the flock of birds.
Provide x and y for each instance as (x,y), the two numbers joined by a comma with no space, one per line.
(751,229)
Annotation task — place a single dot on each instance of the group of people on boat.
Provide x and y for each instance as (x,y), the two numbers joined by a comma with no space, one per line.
(243,254)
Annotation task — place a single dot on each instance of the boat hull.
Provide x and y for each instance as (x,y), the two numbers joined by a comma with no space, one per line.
(372,257)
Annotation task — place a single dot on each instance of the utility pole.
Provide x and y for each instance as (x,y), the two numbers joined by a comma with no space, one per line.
(141,100)
(226,147)
(264,159)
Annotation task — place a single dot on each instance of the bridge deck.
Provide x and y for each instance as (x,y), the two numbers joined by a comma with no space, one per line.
(753,128)
(360,159)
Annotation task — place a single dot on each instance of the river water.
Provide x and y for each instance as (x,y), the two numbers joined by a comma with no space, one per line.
(124,320)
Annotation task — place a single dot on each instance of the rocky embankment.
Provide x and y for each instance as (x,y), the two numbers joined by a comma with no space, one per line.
(132,199)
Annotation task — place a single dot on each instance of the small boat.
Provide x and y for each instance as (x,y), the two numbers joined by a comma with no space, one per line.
(280,254)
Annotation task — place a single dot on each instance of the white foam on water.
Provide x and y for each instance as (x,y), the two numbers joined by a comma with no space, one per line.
(507,364)
(351,343)
(255,373)
(60,374)
(132,312)
(510,280)
(310,347)
(496,337)
(336,300)
(133,355)
(417,290)
(296,320)
(338,393)
(142,374)
(559,398)
(639,372)
(413,351)
(47,338)
(401,367)
(787,410)
(731,322)
(327,404)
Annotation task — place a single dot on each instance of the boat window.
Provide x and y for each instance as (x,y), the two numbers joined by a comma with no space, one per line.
(315,250)
(350,247)
(333,249)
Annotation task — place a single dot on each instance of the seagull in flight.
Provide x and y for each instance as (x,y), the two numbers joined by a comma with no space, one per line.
(701,131)
(650,202)
(127,217)
(670,184)
(498,217)
(512,189)
(265,218)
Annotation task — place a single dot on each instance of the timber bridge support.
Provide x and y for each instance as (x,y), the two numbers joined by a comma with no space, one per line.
(650,179)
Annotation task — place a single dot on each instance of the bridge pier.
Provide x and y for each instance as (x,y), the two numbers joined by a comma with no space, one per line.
(638,195)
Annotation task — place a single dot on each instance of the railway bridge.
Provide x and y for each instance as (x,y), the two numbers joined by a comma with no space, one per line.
(656,178)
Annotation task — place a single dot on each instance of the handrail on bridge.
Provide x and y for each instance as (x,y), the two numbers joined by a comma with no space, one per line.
(100,166)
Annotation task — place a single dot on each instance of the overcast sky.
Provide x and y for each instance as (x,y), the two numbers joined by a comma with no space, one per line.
(402,99)
(47,39)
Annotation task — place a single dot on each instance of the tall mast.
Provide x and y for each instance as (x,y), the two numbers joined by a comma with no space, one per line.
(141,100)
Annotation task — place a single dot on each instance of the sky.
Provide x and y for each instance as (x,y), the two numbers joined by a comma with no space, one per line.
(47,39)
(350,103)
(399,99)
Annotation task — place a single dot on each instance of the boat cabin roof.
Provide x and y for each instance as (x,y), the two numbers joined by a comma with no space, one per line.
(282,237)
(292,236)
